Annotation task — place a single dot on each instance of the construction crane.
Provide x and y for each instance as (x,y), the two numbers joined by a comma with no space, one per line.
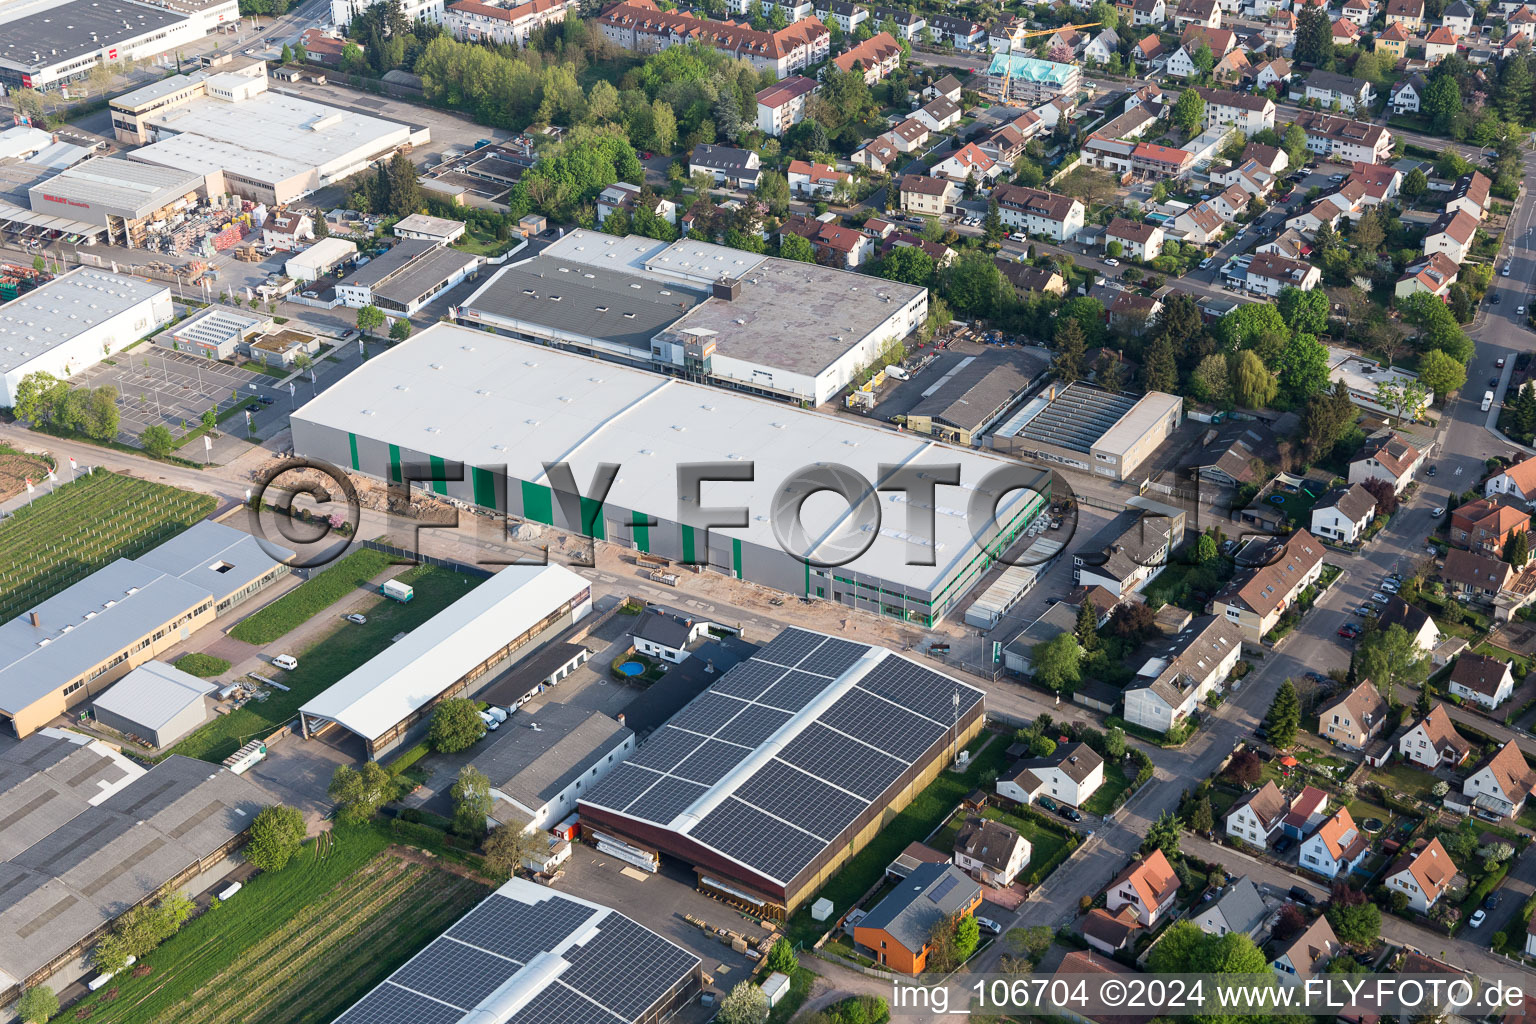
(1013,41)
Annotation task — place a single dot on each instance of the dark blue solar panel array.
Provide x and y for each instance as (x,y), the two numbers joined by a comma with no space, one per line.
(782,817)
(618,975)
(623,785)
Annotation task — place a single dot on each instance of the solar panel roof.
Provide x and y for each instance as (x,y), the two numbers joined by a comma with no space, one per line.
(773,762)
(530,955)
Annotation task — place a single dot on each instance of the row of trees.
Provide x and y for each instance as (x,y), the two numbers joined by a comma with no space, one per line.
(41,398)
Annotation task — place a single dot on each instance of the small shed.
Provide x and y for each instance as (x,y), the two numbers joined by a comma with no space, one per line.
(156,702)
(776,987)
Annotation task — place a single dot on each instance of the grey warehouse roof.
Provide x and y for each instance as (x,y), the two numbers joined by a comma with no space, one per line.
(533,766)
(530,955)
(575,298)
(1078,417)
(119,184)
(978,387)
(63,309)
(88,835)
(377,269)
(153,694)
(72,29)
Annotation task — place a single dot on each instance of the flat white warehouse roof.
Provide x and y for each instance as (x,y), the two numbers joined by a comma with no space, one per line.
(395,683)
(482,400)
(65,308)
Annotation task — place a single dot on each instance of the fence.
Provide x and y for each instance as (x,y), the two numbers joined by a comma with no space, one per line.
(416,556)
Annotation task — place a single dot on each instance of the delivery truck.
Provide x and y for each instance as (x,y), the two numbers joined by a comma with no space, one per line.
(397,591)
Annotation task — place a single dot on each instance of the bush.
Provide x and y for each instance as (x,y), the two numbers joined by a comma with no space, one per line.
(456,725)
(38,1005)
(276,835)
(203,665)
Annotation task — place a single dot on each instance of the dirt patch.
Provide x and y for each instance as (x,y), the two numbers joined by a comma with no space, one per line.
(16,468)
(415,856)
(1516,637)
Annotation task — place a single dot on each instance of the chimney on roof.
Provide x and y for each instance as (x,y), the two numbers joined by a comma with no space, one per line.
(35,620)
(621,718)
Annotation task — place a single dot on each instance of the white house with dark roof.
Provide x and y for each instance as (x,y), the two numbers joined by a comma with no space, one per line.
(1487,681)
(1171,686)
(666,635)
(1257,816)
(1501,782)
(1433,742)
(1237,909)
(991,851)
(726,165)
(1343,514)
(1070,775)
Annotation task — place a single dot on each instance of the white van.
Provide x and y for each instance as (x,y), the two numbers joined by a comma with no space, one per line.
(897,372)
(286,661)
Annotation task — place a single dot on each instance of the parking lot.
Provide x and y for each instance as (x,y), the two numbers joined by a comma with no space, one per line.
(159,386)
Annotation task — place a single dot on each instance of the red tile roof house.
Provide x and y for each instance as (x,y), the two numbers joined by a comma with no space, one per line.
(1386,457)
(1108,932)
(1148,885)
(1518,480)
(812,179)
(1486,525)
(1422,875)
(1336,848)
(1140,241)
(1308,810)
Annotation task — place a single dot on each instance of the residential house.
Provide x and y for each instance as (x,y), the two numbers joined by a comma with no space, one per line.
(1271,74)
(1205,13)
(1296,960)
(1477,677)
(1487,525)
(640,25)
(1138,241)
(1343,514)
(968,163)
(1520,25)
(1309,809)
(1248,112)
(1027,280)
(1433,742)
(1038,212)
(1280,33)
(1343,139)
(1380,181)
(1435,274)
(1393,41)
(1356,718)
(896,931)
(807,178)
(1416,622)
(726,165)
(938,114)
(1104,46)
(781,106)
(1345,33)
(1470,572)
(1351,94)
(876,56)
(1407,96)
(470,21)
(1336,848)
(287,230)
(1147,885)
(1235,452)
(626,197)
(1407,13)
(909,25)
(879,154)
(847,16)
(1148,12)
(1237,909)
(836,246)
(1500,782)
(962,33)
(947,88)
(1149,50)
(660,634)
(1470,195)
(1518,480)
(1231,68)
(1109,933)
(910,135)
(1193,665)
(928,197)
(993,853)
(1452,234)
(1458,17)
(1201,224)
(1182,63)
(1255,599)
(1256,817)
(1439,44)
(1270,274)
(1357,11)
(1386,456)
(1423,875)
(1070,774)
(1127,553)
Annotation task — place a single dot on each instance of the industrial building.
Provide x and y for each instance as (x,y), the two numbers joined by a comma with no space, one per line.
(530,955)
(156,702)
(410,275)
(319,259)
(541,762)
(123,615)
(1108,433)
(489,412)
(388,699)
(71,322)
(117,195)
(769,781)
(89,834)
(216,332)
(975,393)
(705,312)
(57,45)
(239,137)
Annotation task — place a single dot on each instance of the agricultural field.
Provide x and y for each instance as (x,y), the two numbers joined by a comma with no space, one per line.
(65,536)
(332,656)
(311,597)
(297,946)
(16,468)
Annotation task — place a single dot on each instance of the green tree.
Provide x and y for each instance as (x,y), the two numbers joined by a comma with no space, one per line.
(157,440)
(973,285)
(1284,716)
(773,189)
(1211,380)
(1114,742)
(781,957)
(1442,102)
(1189,112)
(400,330)
(287,54)
(1367,237)
(1163,834)
(209,418)
(471,794)
(1058,662)
(1294,141)
(1514,95)
(1357,925)
(1517,549)
(507,847)
(793,247)
(37,1005)
(908,264)
(1202,819)
(1177,949)
(1441,374)
(404,189)
(1253,385)
(1314,38)
(992,224)
(38,396)
(663,127)
(967,937)
(1304,311)
(360,792)
(1407,396)
(1389,657)
(1087,631)
(276,835)
(1162,370)
(1067,365)
(1415,184)
(1303,365)
(456,725)
(369,319)
(1115,249)
(744,1004)
(111,954)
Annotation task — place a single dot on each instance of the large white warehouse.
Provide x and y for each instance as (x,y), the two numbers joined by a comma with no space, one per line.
(73,321)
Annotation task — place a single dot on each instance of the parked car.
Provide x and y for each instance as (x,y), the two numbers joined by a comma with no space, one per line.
(1493,900)
(1301,895)
(1111,262)
(265,399)
(1349,631)
(1433,470)
(286,662)
(1318,677)
(1047,804)
(1437,513)
(1500,363)
(1070,813)
(361,620)
(1283,845)
(1505,271)
(989,926)
(1477,919)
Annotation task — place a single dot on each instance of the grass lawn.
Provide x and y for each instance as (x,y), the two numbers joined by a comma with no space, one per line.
(256,366)
(1360,809)
(1404,778)
(204,665)
(330,658)
(1047,847)
(64,536)
(298,945)
(1115,783)
(312,597)
(917,819)
(800,982)
(482,244)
